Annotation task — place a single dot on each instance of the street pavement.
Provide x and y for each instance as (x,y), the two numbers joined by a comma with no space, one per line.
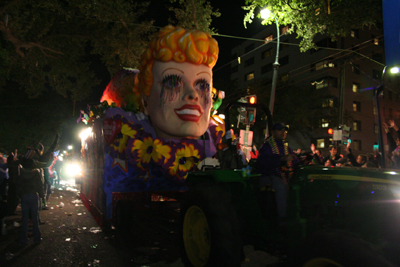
(71,237)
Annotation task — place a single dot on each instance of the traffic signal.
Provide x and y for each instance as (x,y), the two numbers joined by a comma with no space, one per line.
(251,112)
(251,99)
(330,131)
(251,116)
(247,115)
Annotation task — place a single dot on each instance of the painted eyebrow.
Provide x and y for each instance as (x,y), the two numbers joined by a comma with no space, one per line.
(203,72)
(172,69)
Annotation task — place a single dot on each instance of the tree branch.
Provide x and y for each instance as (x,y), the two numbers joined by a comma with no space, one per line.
(18,44)
(124,24)
(288,3)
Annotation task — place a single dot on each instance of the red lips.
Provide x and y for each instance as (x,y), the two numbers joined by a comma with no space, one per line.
(189,112)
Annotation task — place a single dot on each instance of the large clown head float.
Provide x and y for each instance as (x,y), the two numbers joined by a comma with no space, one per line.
(175,82)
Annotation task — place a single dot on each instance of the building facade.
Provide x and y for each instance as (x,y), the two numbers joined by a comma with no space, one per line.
(344,68)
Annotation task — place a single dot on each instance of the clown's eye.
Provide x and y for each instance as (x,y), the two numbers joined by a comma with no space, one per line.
(172,81)
(202,85)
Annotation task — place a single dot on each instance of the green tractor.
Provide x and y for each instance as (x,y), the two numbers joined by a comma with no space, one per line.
(336,216)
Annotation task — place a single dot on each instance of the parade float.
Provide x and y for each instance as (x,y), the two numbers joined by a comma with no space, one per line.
(153,126)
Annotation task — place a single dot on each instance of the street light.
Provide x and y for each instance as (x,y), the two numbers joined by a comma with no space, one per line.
(265,14)
(69,147)
(394,70)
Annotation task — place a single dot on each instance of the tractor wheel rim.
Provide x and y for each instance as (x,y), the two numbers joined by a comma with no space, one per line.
(196,236)
(322,262)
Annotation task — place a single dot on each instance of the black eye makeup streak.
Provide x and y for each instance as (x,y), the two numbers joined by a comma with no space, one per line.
(203,86)
(171,86)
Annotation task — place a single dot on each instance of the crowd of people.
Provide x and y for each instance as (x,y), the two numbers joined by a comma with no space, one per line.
(276,160)
(27,179)
(348,159)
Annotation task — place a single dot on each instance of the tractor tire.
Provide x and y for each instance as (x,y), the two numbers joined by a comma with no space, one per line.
(338,249)
(209,228)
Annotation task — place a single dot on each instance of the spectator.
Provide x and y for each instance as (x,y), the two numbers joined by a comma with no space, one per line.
(276,163)
(241,154)
(369,164)
(3,177)
(14,171)
(394,144)
(30,189)
(333,156)
(58,168)
(254,152)
(329,163)
(355,162)
(341,162)
(46,188)
(317,155)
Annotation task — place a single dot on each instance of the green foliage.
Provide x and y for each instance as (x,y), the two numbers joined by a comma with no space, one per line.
(202,19)
(307,18)
(46,43)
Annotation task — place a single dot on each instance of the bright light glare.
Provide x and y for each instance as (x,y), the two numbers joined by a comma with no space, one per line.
(395,70)
(73,169)
(265,13)
(60,158)
(85,133)
(69,147)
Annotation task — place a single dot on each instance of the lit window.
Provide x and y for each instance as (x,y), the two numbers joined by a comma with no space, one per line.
(284,30)
(324,123)
(354,33)
(324,64)
(376,41)
(250,76)
(327,103)
(320,143)
(356,87)
(269,39)
(357,125)
(321,85)
(356,106)
(374,111)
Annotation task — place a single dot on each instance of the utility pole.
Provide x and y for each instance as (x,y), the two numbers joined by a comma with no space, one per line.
(342,91)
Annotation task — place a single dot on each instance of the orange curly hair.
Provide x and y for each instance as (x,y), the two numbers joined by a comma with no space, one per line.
(179,45)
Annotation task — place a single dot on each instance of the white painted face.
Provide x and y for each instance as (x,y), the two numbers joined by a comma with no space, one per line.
(180,100)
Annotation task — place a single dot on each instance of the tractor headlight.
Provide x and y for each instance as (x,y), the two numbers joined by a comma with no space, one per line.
(73,169)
